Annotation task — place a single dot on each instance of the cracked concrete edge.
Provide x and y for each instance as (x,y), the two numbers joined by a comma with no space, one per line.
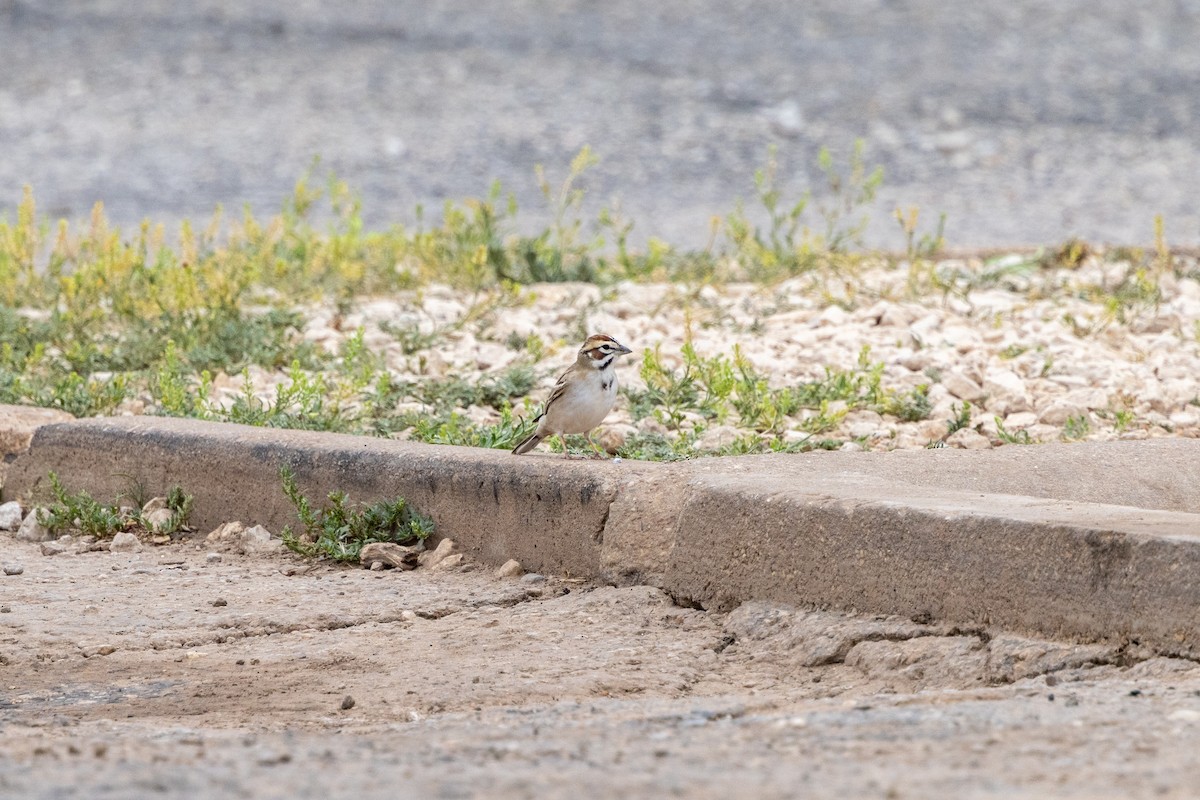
(715,533)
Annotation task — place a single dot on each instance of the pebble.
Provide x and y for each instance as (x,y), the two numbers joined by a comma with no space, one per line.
(431,558)
(257,541)
(347,703)
(450,562)
(158,520)
(969,439)
(154,504)
(510,569)
(31,530)
(53,548)
(13,569)
(125,542)
(213,558)
(10,516)
(533,578)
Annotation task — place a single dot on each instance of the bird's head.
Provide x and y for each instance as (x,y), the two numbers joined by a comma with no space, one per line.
(600,349)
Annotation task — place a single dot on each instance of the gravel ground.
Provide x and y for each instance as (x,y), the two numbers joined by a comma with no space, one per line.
(1034,354)
(465,685)
(1024,122)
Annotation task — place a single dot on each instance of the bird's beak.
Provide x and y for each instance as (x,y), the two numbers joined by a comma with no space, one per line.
(623,349)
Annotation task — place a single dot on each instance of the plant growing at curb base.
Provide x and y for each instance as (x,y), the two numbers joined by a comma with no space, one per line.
(82,512)
(339,531)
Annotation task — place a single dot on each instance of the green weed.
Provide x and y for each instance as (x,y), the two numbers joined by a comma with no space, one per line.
(81,512)
(339,530)
(1076,428)
(1011,437)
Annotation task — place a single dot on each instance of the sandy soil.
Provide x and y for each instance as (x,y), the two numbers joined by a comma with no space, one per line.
(231,679)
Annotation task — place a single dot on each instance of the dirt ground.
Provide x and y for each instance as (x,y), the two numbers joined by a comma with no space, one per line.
(166,673)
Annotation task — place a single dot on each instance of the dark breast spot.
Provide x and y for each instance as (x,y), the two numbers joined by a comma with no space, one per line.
(604,385)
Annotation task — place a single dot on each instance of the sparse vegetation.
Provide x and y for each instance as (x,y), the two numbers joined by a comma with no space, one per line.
(258,321)
(80,512)
(339,530)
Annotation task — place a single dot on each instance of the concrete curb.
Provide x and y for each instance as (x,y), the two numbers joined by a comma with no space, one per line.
(993,538)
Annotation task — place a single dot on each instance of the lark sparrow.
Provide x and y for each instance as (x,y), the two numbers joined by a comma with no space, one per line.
(583,395)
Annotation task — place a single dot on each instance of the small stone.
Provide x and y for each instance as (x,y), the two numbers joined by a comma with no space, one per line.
(510,569)
(13,569)
(933,429)
(1020,420)
(158,520)
(390,554)
(612,438)
(258,541)
(105,650)
(378,566)
(347,703)
(1006,392)
(1184,715)
(125,542)
(32,530)
(962,387)
(1058,412)
(968,439)
(53,548)
(450,562)
(220,602)
(861,429)
(213,558)
(226,534)
(445,548)
(533,578)
(155,504)
(10,516)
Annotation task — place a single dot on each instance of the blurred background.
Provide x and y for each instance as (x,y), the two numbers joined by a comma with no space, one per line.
(1025,122)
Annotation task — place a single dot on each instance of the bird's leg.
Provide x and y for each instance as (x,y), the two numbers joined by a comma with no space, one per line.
(562,439)
(599,450)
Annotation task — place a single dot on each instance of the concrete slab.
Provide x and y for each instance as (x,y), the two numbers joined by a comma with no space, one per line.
(1095,542)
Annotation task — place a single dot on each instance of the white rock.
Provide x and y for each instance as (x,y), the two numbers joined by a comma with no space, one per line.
(53,548)
(932,429)
(1185,419)
(227,533)
(444,549)
(10,516)
(1058,412)
(861,430)
(450,561)
(1006,392)
(962,387)
(1019,420)
(125,542)
(258,541)
(969,439)
(158,520)
(510,569)
(31,530)
(154,504)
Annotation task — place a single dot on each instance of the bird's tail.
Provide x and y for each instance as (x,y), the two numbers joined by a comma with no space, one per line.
(528,443)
